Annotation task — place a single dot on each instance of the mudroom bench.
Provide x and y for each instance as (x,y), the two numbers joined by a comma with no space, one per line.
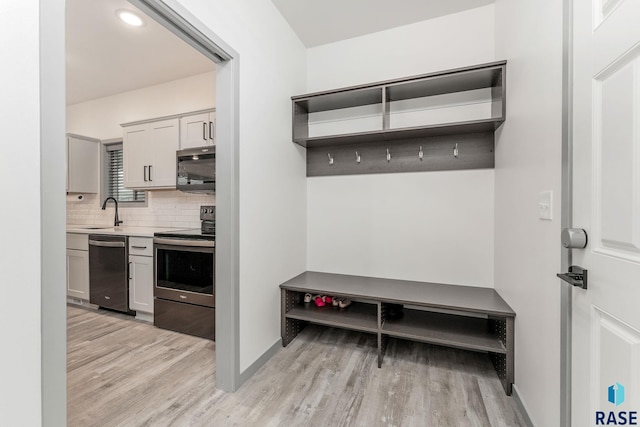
(465,317)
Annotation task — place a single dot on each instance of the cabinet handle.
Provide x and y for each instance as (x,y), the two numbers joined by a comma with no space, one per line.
(211,131)
(130,268)
(138,247)
(145,174)
(150,174)
(204,131)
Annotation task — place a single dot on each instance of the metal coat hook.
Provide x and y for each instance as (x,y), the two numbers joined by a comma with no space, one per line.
(421,154)
(455,151)
(330,159)
(357,158)
(388,155)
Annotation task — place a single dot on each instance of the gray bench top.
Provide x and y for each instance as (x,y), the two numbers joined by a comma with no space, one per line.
(453,297)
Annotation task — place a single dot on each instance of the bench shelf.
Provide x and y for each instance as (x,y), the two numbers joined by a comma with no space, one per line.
(483,321)
(359,317)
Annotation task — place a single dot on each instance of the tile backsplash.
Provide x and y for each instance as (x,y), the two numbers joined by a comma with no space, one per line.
(164,209)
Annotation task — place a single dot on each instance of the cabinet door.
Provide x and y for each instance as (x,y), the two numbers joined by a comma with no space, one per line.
(83,165)
(164,136)
(78,274)
(194,131)
(141,283)
(136,156)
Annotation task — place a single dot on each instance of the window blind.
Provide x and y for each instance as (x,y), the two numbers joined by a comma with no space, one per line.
(115,178)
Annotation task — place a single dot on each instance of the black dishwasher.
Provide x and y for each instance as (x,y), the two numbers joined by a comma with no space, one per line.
(108,278)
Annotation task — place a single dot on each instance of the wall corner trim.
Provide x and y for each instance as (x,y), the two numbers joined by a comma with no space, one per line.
(522,407)
(260,362)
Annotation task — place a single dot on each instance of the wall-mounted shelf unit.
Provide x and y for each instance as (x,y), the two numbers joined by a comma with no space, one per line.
(402,115)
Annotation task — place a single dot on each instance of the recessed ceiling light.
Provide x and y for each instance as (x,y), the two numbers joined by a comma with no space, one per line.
(130,18)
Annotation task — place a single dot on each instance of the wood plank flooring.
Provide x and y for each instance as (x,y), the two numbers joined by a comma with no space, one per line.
(127,373)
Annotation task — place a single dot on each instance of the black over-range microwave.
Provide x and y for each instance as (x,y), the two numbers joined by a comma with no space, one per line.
(196,170)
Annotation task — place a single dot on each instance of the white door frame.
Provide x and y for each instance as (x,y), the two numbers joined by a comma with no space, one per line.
(52,223)
(566,211)
(183,24)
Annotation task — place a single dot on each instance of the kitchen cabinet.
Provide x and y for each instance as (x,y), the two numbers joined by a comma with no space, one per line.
(141,274)
(83,164)
(149,154)
(78,266)
(198,130)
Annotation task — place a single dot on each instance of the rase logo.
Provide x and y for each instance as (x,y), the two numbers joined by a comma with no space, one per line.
(615,396)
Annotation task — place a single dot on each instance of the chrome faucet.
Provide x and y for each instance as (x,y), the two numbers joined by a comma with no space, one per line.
(116,221)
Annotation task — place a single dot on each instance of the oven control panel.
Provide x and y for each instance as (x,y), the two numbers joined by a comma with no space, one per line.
(208,213)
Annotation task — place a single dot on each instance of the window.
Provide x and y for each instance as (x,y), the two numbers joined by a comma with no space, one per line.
(114,178)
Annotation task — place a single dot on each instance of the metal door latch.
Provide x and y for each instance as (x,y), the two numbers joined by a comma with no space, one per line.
(577,276)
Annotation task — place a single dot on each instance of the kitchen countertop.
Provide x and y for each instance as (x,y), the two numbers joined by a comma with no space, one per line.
(123,230)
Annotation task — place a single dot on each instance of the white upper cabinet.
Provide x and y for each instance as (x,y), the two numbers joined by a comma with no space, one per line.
(83,164)
(149,154)
(198,130)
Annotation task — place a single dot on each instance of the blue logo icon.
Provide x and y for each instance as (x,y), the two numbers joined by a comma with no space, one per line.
(615,394)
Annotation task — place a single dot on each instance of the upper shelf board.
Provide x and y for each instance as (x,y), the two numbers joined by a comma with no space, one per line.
(456,80)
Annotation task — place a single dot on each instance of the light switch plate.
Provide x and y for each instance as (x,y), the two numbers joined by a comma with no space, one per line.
(545,205)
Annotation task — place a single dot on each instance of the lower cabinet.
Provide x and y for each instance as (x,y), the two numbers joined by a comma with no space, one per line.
(141,274)
(78,266)
(78,274)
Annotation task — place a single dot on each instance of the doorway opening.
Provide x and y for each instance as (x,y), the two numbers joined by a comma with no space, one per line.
(197,35)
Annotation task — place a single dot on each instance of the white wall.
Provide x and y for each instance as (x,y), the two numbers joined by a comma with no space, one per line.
(101,118)
(20,263)
(427,226)
(528,160)
(272,168)
(435,226)
(457,40)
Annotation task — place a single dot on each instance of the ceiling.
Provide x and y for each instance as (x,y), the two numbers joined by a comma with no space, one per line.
(106,56)
(318,22)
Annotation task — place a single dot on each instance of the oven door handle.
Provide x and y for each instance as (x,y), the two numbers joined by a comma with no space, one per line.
(182,242)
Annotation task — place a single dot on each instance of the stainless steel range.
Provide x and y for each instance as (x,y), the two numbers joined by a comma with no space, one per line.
(184,278)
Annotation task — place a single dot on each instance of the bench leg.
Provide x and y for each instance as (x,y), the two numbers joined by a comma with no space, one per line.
(504,363)
(383,340)
(289,328)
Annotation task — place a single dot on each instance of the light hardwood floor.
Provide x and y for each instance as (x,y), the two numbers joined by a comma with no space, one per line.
(127,373)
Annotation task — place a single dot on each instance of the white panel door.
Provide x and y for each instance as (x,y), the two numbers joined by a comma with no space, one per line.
(141,283)
(164,139)
(136,156)
(606,202)
(78,274)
